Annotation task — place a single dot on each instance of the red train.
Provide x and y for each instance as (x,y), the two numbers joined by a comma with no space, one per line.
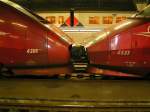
(123,47)
(26,42)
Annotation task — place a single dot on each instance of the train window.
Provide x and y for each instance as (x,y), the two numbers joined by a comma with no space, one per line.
(94,20)
(119,19)
(107,20)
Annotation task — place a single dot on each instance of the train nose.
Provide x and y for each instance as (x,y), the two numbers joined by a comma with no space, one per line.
(79,58)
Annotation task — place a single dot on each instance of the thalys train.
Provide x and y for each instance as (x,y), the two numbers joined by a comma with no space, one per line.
(123,47)
(28,43)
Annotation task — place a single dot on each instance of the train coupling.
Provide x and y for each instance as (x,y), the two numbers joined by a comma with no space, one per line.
(79,58)
(80,66)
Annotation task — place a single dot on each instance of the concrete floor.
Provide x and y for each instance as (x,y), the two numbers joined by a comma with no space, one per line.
(101,90)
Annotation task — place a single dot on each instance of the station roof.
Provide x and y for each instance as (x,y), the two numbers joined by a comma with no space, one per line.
(79,5)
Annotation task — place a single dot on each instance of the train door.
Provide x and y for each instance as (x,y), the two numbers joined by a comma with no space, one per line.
(12,37)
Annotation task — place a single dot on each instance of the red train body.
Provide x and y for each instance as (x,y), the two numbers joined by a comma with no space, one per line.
(123,47)
(26,42)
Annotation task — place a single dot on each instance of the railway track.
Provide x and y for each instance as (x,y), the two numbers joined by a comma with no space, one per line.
(46,95)
(42,105)
(74,76)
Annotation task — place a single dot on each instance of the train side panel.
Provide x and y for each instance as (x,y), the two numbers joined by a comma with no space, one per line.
(127,48)
(12,37)
(36,45)
(99,52)
(130,50)
(141,46)
(58,50)
(120,48)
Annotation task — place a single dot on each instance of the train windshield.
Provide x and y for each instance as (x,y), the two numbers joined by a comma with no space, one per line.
(144,13)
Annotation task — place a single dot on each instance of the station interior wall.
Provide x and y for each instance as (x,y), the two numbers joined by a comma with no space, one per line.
(83,17)
(80,37)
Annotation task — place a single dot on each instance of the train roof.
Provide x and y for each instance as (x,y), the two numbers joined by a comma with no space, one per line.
(22,9)
(37,18)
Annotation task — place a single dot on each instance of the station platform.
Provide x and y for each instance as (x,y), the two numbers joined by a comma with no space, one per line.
(47,95)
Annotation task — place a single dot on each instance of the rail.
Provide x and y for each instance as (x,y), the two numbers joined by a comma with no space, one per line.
(44,105)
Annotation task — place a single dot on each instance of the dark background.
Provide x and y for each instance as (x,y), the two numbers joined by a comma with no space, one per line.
(81,5)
